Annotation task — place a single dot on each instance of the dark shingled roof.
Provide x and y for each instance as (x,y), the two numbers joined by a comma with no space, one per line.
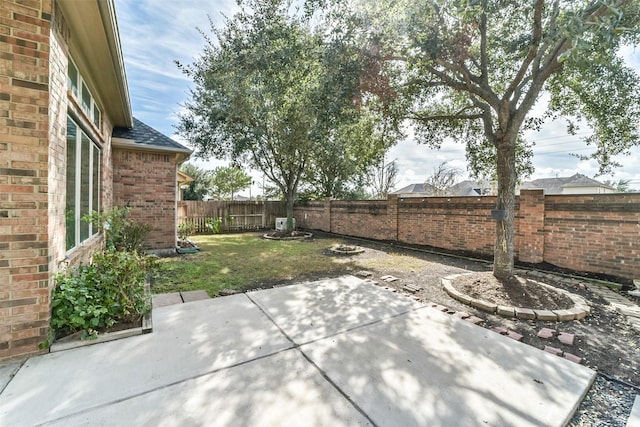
(144,134)
(555,185)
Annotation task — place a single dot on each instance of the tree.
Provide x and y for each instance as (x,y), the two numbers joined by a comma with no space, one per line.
(383,178)
(341,163)
(621,186)
(201,184)
(442,179)
(227,181)
(263,93)
(473,70)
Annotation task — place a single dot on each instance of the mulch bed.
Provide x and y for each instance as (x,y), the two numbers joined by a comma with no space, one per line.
(517,292)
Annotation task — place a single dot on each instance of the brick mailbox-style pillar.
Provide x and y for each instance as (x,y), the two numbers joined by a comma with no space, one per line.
(530,231)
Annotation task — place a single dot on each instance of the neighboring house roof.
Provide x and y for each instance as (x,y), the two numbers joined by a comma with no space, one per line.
(143,136)
(184,179)
(420,188)
(555,185)
(95,31)
(584,181)
(470,188)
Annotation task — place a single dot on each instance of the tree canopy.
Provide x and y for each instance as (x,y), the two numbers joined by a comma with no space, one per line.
(473,70)
(226,181)
(273,92)
(201,184)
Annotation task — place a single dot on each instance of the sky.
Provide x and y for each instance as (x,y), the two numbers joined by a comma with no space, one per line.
(156,33)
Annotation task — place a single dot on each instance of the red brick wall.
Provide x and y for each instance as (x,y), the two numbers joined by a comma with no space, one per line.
(449,223)
(591,233)
(24,125)
(146,182)
(374,219)
(599,233)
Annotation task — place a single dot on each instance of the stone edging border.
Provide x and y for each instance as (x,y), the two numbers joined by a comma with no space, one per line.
(304,235)
(579,310)
(336,249)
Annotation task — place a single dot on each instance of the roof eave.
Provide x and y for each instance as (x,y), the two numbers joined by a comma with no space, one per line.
(106,64)
(131,144)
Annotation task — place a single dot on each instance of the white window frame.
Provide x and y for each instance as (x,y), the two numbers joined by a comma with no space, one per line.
(93,111)
(78,184)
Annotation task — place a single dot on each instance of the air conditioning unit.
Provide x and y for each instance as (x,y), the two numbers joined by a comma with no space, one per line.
(281,224)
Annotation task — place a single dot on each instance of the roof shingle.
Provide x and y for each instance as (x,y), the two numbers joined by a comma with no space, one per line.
(145,135)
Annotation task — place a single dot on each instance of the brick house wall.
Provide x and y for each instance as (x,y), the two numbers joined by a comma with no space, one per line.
(34,105)
(597,233)
(146,182)
(24,162)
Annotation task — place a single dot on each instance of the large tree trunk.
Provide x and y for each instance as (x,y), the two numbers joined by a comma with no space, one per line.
(503,253)
(290,198)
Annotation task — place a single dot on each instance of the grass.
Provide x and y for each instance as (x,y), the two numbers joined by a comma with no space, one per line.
(244,261)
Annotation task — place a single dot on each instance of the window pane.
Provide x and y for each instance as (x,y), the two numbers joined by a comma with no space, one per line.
(85,179)
(72,78)
(95,202)
(71,185)
(96,115)
(86,100)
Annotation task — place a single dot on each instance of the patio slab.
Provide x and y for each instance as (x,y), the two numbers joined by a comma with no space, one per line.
(162,300)
(315,310)
(425,368)
(260,392)
(367,356)
(189,340)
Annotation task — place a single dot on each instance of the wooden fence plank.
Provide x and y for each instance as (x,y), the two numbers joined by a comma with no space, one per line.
(235,215)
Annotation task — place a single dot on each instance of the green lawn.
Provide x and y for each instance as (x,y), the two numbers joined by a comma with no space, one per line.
(243,261)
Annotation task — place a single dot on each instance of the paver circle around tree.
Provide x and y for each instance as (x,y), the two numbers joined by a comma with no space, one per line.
(346,249)
(579,309)
(295,235)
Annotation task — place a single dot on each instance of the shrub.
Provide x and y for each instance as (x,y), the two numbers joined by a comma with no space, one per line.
(185,230)
(99,295)
(120,231)
(214,225)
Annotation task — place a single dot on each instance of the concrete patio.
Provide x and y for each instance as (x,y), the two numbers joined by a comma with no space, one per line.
(333,352)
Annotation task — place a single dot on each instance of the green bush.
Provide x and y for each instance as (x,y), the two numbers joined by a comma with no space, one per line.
(214,225)
(186,229)
(99,295)
(121,232)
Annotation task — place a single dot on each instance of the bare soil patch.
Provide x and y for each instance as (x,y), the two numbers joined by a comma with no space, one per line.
(516,292)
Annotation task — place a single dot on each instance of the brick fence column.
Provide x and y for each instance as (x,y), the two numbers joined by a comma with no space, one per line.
(326,216)
(392,214)
(530,236)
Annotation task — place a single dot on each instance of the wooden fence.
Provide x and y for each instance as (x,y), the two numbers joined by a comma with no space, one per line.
(235,215)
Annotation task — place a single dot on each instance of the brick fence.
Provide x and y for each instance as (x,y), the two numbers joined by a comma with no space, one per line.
(597,233)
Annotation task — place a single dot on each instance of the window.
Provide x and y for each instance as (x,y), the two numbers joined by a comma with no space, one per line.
(80,90)
(72,79)
(83,184)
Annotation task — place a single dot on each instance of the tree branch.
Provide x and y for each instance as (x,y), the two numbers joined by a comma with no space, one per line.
(531,54)
(459,115)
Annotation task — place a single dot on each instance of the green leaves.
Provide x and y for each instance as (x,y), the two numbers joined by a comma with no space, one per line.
(97,296)
(121,232)
(227,181)
(283,92)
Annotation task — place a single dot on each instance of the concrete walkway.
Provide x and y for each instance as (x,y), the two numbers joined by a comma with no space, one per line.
(332,352)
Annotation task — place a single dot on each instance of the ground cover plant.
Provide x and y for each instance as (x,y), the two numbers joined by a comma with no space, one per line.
(245,261)
(110,291)
(95,297)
